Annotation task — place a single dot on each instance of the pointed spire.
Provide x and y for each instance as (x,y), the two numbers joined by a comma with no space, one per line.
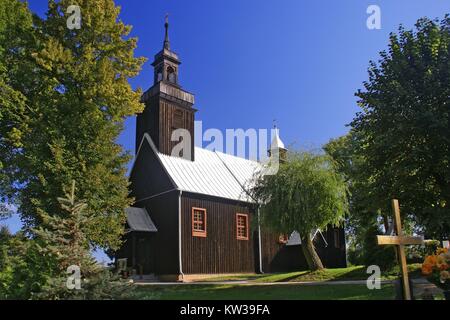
(276,142)
(277,146)
(166,38)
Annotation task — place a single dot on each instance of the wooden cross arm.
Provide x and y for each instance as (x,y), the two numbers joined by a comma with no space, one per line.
(399,240)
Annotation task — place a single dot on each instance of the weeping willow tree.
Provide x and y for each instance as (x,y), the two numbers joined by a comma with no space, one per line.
(305,195)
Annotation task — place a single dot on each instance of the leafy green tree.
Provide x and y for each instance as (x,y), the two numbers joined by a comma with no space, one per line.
(23,269)
(73,85)
(5,212)
(366,212)
(403,131)
(306,194)
(5,264)
(15,36)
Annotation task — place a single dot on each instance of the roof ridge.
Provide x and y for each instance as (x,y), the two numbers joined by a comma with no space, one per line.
(211,151)
(234,176)
(228,154)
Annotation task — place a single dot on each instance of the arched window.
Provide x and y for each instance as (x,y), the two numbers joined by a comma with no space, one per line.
(171,75)
(159,75)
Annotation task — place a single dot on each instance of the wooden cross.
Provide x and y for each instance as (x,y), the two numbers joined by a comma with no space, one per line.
(400,241)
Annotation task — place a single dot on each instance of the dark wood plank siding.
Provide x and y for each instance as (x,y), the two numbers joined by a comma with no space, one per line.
(158,120)
(163,245)
(153,190)
(157,252)
(148,177)
(273,258)
(167,125)
(148,121)
(220,251)
(138,244)
(332,256)
(278,257)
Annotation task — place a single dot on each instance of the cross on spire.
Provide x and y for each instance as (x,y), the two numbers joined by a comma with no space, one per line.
(166,38)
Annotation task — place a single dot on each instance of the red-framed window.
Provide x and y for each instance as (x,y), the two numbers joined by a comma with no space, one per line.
(242,226)
(199,222)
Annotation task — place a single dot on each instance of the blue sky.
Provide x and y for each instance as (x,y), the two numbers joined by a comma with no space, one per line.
(249,62)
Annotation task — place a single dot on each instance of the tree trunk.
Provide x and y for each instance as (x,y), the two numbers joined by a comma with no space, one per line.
(312,258)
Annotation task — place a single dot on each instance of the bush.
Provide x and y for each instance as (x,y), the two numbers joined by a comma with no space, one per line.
(103,286)
(354,256)
(23,269)
(374,254)
(416,254)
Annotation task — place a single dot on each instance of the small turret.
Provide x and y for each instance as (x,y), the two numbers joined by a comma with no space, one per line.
(277,147)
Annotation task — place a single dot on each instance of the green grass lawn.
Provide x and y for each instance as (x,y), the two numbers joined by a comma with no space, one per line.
(256,290)
(272,292)
(339,274)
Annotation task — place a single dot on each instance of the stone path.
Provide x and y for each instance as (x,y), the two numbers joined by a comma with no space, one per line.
(421,285)
(253,283)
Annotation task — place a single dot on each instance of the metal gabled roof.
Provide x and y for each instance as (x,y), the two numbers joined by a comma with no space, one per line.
(212,173)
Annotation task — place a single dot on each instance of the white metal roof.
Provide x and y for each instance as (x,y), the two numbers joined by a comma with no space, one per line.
(212,173)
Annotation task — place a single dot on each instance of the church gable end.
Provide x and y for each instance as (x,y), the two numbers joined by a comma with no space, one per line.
(148,177)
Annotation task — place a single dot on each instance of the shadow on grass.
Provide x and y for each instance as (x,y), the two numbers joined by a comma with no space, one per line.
(326,275)
(272,292)
(348,274)
(293,277)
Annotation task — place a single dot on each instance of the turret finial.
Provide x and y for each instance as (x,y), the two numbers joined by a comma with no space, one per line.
(166,38)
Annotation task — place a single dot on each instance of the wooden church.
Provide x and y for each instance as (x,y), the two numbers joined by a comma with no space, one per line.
(192,214)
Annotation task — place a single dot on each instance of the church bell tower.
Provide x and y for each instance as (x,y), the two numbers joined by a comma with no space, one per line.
(167,106)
